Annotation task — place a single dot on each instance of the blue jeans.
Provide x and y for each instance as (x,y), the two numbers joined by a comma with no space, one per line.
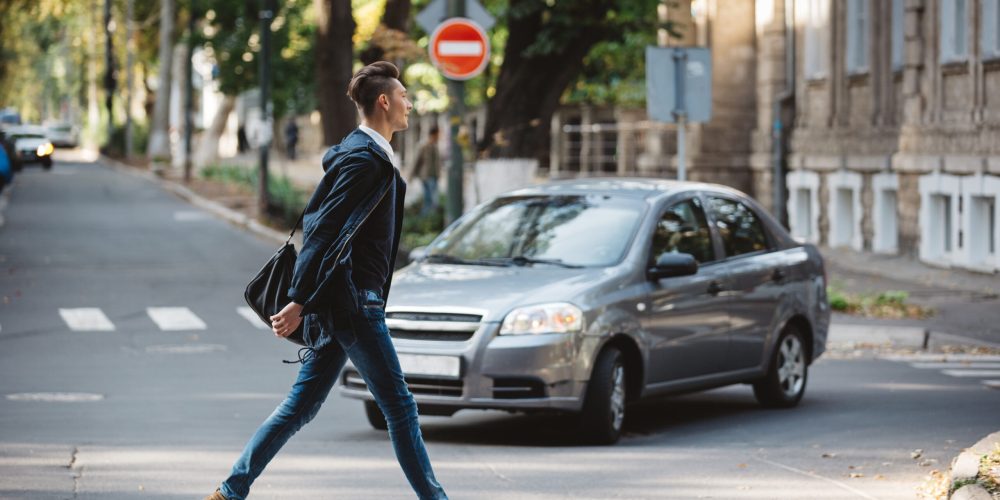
(370,349)
(430,194)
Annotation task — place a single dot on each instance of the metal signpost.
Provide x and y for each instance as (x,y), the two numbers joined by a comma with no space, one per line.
(679,90)
(460,49)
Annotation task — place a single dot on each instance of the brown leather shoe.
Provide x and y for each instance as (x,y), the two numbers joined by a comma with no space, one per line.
(216,496)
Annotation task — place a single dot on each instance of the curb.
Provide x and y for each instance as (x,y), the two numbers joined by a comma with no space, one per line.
(965,468)
(223,212)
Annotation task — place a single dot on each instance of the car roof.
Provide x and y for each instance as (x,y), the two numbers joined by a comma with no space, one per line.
(645,188)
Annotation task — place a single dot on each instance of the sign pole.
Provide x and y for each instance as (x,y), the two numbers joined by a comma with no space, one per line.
(456,113)
(267,9)
(680,114)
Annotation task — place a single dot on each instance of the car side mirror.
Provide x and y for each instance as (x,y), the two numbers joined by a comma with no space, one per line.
(418,254)
(669,265)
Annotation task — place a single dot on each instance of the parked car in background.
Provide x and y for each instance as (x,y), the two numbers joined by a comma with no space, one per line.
(582,296)
(6,169)
(62,134)
(10,116)
(29,145)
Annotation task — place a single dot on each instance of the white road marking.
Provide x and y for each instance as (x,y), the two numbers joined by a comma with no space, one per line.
(190,216)
(992,384)
(185,348)
(86,319)
(943,358)
(972,373)
(956,366)
(56,397)
(469,49)
(252,317)
(175,318)
(839,484)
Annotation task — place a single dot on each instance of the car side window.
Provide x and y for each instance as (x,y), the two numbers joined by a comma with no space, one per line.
(683,229)
(739,227)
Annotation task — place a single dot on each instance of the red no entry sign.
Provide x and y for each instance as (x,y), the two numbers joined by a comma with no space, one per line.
(459,48)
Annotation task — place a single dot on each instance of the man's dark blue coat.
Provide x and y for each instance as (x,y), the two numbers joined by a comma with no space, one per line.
(358,176)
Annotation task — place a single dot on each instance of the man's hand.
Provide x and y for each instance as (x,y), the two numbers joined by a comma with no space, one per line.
(286,321)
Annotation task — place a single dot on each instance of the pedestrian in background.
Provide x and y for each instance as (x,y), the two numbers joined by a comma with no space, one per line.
(342,276)
(291,138)
(427,169)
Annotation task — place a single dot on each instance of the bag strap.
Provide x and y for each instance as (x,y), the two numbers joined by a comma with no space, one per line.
(296,226)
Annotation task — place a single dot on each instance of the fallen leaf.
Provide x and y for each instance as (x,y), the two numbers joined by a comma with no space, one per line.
(856,475)
(927,463)
(742,466)
(915,454)
(879,477)
(829,455)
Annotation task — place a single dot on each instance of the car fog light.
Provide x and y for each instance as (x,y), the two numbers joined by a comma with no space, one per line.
(559,317)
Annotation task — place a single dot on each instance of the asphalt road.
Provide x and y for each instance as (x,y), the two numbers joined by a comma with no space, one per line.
(155,393)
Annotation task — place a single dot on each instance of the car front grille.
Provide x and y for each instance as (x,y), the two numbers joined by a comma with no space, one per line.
(432,326)
(418,385)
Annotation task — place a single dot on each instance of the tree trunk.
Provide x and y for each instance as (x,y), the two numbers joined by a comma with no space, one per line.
(334,58)
(208,145)
(159,139)
(529,86)
(397,15)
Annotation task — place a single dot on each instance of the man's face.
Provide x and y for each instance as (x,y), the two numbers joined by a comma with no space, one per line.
(399,107)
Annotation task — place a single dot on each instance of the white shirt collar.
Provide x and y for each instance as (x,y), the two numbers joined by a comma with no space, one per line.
(381,141)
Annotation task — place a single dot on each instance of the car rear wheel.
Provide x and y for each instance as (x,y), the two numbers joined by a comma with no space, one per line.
(375,417)
(603,413)
(47,164)
(785,383)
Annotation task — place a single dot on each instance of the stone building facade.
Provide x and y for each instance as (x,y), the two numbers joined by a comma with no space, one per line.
(895,138)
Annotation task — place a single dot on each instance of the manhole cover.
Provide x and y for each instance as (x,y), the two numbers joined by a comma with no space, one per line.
(56,397)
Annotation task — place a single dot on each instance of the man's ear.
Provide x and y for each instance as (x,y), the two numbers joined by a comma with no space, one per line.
(383,101)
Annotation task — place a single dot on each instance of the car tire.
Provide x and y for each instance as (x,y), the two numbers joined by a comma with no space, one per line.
(17,165)
(375,417)
(603,413)
(47,164)
(787,373)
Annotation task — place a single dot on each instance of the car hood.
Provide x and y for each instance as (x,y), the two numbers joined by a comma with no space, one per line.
(495,290)
(29,143)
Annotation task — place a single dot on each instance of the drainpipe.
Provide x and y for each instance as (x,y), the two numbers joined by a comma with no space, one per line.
(784,100)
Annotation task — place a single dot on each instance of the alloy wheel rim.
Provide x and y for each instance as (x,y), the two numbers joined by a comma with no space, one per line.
(791,366)
(617,396)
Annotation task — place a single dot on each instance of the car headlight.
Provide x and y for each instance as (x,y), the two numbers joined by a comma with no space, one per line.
(559,317)
(45,149)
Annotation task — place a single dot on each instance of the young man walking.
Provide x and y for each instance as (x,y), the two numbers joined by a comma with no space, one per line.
(342,276)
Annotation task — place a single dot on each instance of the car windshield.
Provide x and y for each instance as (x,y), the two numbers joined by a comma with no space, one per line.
(591,230)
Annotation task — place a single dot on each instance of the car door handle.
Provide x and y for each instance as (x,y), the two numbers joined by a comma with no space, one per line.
(715,288)
(778,275)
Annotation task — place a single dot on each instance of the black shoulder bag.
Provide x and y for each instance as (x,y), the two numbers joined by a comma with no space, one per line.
(267,292)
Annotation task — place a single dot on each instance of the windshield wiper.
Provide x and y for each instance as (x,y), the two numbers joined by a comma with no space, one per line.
(522,260)
(443,258)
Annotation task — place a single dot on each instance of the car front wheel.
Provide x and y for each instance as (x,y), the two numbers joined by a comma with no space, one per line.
(604,407)
(785,382)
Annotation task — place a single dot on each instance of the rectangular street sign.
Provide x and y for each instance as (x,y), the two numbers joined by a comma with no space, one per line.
(670,92)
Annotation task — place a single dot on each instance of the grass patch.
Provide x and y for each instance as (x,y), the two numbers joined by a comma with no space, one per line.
(891,304)
(286,200)
(989,471)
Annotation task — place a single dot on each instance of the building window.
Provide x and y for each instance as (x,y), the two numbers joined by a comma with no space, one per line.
(845,210)
(857,36)
(939,216)
(803,205)
(989,39)
(979,222)
(886,217)
(954,30)
(898,33)
(817,35)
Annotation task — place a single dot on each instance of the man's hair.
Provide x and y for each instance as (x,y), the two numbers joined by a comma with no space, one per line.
(370,82)
(434,129)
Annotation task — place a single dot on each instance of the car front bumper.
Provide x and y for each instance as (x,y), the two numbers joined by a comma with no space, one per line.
(517,372)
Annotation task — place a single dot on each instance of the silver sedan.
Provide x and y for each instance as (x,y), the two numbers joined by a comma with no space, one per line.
(582,296)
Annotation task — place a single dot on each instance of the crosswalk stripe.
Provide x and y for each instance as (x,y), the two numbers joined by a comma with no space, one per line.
(86,319)
(972,373)
(175,318)
(252,317)
(992,384)
(956,366)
